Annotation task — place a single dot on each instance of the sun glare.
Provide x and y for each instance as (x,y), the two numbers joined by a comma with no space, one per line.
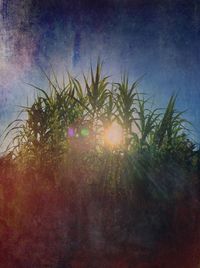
(113,135)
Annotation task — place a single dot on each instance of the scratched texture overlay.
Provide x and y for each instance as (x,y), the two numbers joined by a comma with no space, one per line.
(76,189)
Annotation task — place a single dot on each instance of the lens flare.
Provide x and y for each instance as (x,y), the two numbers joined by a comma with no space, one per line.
(71,132)
(84,132)
(113,135)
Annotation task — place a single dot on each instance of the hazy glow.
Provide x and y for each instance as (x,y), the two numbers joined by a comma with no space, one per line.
(113,136)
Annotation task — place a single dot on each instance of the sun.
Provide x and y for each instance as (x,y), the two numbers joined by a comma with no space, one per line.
(113,135)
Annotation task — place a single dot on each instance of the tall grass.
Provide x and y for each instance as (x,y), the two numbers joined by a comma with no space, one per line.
(43,139)
(59,152)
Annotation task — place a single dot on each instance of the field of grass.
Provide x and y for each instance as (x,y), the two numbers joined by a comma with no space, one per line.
(97,176)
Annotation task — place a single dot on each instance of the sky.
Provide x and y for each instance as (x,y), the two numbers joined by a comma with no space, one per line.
(156,40)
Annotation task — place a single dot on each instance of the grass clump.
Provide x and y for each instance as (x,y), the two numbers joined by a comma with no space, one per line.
(118,169)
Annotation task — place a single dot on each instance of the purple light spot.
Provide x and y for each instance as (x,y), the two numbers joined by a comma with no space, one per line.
(71,132)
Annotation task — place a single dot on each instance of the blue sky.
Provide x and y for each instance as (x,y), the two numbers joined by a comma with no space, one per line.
(157,39)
